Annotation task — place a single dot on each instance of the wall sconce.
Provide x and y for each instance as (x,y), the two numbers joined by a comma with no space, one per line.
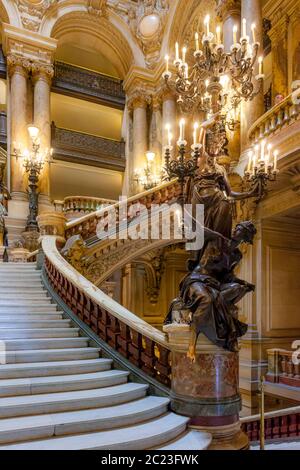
(33,162)
(147,177)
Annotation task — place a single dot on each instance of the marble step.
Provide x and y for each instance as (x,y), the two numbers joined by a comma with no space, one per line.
(75,422)
(33,287)
(45,343)
(191,440)
(41,355)
(138,437)
(34,323)
(28,316)
(57,368)
(46,308)
(12,297)
(20,275)
(24,333)
(63,383)
(28,405)
(26,302)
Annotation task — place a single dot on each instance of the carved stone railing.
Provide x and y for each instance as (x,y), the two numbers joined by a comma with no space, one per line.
(77,206)
(278,424)
(284,367)
(87,149)
(87,84)
(277,118)
(87,225)
(142,345)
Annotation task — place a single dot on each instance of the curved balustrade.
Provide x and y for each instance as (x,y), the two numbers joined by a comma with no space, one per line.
(86,226)
(77,206)
(278,424)
(140,343)
(281,115)
(284,367)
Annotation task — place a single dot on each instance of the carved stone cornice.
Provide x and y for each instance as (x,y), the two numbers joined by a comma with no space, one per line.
(226,8)
(18,64)
(97,7)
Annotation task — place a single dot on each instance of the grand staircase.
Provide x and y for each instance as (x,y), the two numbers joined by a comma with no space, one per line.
(57,392)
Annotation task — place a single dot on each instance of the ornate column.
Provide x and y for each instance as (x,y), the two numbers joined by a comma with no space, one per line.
(156,131)
(41,76)
(138,103)
(18,69)
(168,114)
(252,110)
(229,11)
(279,38)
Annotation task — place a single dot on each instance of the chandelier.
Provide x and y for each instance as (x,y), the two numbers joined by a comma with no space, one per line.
(218,80)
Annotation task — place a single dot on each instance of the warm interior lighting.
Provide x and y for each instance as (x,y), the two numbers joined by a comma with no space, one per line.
(150,156)
(33,131)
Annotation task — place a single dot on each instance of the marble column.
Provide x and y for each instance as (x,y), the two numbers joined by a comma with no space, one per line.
(156,132)
(138,104)
(18,69)
(252,110)
(42,75)
(279,39)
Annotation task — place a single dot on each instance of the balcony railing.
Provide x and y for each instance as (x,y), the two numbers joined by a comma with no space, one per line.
(276,118)
(88,85)
(87,149)
(77,206)
(284,367)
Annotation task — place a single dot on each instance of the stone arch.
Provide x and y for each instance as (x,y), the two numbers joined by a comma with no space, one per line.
(100,31)
(9,13)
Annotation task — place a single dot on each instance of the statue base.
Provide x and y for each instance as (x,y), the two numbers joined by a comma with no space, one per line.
(206,390)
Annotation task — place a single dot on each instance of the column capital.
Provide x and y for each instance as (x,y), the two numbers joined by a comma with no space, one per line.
(42,72)
(227,8)
(138,99)
(156,102)
(18,64)
(166,94)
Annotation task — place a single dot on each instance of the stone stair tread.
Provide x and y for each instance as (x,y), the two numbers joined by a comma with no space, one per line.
(26,405)
(191,440)
(42,343)
(42,369)
(26,333)
(57,354)
(35,323)
(58,424)
(49,384)
(141,436)
(28,316)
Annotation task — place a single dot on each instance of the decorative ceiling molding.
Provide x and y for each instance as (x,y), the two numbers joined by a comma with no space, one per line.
(33,11)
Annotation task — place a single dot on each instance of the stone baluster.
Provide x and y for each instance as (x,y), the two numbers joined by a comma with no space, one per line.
(42,75)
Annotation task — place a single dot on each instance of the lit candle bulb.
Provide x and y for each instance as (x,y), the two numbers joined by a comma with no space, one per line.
(250,161)
(253,27)
(181,128)
(197,41)
(218,31)
(167,63)
(234,32)
(275,160)
(196,126)
(183,54)
(244,23)
(260,62)
(186,71)
(177,50)
(206,23)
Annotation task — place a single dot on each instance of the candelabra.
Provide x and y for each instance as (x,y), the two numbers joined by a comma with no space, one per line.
(148,179)
(33,162)
(218,81)
(262,167)
(182,167)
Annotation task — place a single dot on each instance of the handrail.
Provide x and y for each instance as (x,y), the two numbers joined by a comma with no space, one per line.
(130,200)
(98,296)
(279,115)
(90,198)
(32,254)
(272,414)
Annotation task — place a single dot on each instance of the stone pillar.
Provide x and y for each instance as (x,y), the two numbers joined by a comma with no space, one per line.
(252,110)
(18,69)
(138,104)
(42,75)
(207,390)
(279,39)
(294,66)
(229,13)
(168,115)
(155,137)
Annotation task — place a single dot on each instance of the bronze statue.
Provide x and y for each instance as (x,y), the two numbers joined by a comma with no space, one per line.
(211,290)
